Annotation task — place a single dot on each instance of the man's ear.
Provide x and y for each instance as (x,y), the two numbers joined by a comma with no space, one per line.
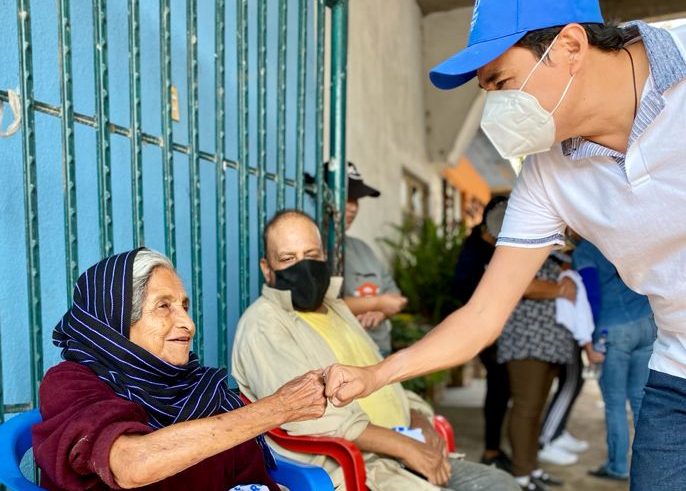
(573,41)
(266,271)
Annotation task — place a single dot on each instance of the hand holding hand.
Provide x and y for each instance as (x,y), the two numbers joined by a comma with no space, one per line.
(302,398)
(370,320)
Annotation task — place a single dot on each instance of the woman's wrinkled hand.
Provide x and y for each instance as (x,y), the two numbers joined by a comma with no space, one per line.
(303,397)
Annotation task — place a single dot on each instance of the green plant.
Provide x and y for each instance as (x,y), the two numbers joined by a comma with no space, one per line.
(423,259)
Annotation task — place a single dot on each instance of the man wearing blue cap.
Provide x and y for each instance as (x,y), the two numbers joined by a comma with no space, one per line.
(600,111)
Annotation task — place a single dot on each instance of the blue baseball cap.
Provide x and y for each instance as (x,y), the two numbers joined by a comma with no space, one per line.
(497,25)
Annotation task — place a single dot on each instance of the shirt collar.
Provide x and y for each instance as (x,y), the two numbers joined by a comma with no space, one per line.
(667,68)
(667,65)
(283,297)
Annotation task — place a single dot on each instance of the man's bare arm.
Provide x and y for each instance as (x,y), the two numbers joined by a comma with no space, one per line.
(455,340)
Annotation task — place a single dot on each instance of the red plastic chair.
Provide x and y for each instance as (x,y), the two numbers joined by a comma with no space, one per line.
(343,451)
(445,429)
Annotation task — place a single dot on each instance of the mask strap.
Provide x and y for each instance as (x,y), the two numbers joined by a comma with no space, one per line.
(545,53)
(564,93)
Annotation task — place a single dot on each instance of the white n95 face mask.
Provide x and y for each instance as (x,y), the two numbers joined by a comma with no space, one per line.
(516,123)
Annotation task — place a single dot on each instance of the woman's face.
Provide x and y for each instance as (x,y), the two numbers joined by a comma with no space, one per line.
(165,329)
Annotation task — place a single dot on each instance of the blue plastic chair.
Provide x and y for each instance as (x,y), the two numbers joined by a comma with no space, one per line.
(15,441)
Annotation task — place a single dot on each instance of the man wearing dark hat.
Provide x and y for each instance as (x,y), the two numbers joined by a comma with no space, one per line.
(369,289)
(599,110)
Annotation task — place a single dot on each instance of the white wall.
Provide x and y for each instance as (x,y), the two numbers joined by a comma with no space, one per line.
(386,111)
(445,33)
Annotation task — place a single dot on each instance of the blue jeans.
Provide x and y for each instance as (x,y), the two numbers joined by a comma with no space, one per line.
(624,375)
(659,457)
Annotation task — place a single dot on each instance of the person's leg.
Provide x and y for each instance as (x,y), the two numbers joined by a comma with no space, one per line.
(469,476)
(530,382)
(574,372)
(569,386)
(658,462)
(613,383)
(546,431)
(495,404)
(638,365)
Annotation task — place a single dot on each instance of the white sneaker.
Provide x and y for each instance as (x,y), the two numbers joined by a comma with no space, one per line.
(569,443)
(555,455)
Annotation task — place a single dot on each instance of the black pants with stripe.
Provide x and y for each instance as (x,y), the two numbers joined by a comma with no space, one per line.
(570,382)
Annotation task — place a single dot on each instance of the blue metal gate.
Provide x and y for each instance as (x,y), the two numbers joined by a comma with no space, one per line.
(176,124)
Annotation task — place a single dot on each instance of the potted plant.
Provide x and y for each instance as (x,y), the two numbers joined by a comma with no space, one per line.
(423,258)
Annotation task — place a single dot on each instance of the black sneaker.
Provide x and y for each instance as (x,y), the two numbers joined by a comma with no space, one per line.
(546,479)
(501,461)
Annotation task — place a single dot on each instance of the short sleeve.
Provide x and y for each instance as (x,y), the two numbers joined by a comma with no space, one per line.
(530,220)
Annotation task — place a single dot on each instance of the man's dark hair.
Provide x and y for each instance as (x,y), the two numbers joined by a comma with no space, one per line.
(281,215)
(605,37)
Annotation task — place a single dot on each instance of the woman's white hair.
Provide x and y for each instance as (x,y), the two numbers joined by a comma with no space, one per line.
(145,262)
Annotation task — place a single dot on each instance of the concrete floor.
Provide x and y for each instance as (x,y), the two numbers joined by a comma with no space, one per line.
(462,406)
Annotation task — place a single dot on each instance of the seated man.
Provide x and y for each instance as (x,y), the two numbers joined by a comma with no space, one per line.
(298,324)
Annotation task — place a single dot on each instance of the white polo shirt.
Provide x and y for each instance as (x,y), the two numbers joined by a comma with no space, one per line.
(633,206)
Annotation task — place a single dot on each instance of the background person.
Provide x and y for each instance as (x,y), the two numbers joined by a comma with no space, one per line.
(558,446)
(534,346)
(369,289)
(625,320)
(133,407)
(476,253)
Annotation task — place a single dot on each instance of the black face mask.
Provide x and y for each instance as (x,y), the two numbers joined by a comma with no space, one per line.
(307,280)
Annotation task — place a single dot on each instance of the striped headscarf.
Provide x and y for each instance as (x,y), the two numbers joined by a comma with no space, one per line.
(95,333)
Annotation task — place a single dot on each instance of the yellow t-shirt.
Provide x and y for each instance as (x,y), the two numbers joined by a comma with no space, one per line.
(384,406)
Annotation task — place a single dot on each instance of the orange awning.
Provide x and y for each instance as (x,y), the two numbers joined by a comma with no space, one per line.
(467,180)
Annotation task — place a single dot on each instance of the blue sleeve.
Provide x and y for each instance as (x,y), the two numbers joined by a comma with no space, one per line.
(592,284)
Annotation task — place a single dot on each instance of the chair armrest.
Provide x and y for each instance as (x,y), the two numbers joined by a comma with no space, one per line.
(15,441)
(295,475)
(445,429)
(344,452)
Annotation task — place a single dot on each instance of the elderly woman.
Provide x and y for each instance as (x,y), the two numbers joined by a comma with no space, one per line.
(132,407)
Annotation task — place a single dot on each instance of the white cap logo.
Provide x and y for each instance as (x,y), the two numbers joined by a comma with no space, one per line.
(475,15)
